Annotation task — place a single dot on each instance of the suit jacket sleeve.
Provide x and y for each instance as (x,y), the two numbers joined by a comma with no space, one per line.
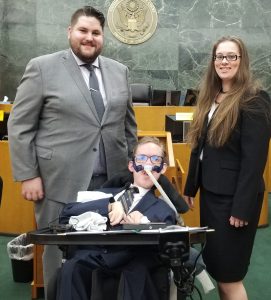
(192,182)
(23,123)
(255,136)
(193,177)
(77,208)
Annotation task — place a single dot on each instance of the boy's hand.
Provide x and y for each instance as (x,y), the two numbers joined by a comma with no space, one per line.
(116,213)
(132,218)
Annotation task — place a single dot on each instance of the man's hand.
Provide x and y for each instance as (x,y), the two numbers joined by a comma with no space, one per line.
(116,213)
(237,222)
(190,201)
(32,189)
(132,218)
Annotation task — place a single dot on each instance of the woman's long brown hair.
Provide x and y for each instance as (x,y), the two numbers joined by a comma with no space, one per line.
(244,88)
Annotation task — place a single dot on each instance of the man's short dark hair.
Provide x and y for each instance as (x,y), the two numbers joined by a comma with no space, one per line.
(88,11)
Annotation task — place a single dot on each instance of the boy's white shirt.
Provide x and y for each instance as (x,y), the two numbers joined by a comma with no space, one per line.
(137,197)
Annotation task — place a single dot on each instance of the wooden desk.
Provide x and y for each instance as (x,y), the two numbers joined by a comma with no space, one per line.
(16,214)
(6,107)
(182,153)
(152,118)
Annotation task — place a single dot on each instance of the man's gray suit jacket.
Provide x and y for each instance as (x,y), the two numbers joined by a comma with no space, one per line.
(54,129)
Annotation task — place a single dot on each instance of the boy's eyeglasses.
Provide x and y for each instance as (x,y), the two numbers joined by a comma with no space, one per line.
(142,158)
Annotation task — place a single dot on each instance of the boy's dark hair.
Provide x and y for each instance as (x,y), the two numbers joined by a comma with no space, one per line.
(88,11)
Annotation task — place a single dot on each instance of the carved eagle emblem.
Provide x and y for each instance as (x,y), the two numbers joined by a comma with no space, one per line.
(132,16)
(132,21)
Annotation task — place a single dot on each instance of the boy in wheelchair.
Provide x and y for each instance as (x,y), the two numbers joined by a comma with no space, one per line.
(74,280)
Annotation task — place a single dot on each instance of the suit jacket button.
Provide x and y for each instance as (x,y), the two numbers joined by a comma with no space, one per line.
(94,149)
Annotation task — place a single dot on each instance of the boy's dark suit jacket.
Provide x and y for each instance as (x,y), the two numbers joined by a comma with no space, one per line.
(236,169)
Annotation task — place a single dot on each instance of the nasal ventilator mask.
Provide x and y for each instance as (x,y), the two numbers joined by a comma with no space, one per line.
(139,168)
(148,169)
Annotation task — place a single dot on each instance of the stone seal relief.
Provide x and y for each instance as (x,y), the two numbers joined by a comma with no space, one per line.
(132,21)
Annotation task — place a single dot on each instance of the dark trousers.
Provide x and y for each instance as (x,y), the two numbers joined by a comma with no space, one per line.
(75,277)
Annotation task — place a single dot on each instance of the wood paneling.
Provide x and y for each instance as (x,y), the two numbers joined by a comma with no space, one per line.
(16,214)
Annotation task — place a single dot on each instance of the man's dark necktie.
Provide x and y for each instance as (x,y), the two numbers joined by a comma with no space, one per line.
(95,91)
(100,163)
(127,198)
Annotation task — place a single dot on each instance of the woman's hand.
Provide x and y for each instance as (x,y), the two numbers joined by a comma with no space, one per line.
(190,201)
(237,222)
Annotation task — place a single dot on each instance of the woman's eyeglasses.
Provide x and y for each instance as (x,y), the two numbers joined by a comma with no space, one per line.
(229,57)
(142,158)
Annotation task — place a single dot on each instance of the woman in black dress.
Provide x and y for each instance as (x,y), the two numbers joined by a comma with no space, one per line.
(229,136)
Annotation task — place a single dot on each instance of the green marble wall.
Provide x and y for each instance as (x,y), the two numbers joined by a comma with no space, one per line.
(173,58)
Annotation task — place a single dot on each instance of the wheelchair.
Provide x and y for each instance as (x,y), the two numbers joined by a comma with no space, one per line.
(106,284)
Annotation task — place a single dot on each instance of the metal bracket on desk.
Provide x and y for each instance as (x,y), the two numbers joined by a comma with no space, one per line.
(176,254)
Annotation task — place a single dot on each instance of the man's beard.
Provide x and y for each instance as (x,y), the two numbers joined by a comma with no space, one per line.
(85,58)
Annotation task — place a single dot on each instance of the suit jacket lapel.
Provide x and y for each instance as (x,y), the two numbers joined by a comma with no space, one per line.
(107,81)
(203,135)
(76,74)
(200,147)
(147,201)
